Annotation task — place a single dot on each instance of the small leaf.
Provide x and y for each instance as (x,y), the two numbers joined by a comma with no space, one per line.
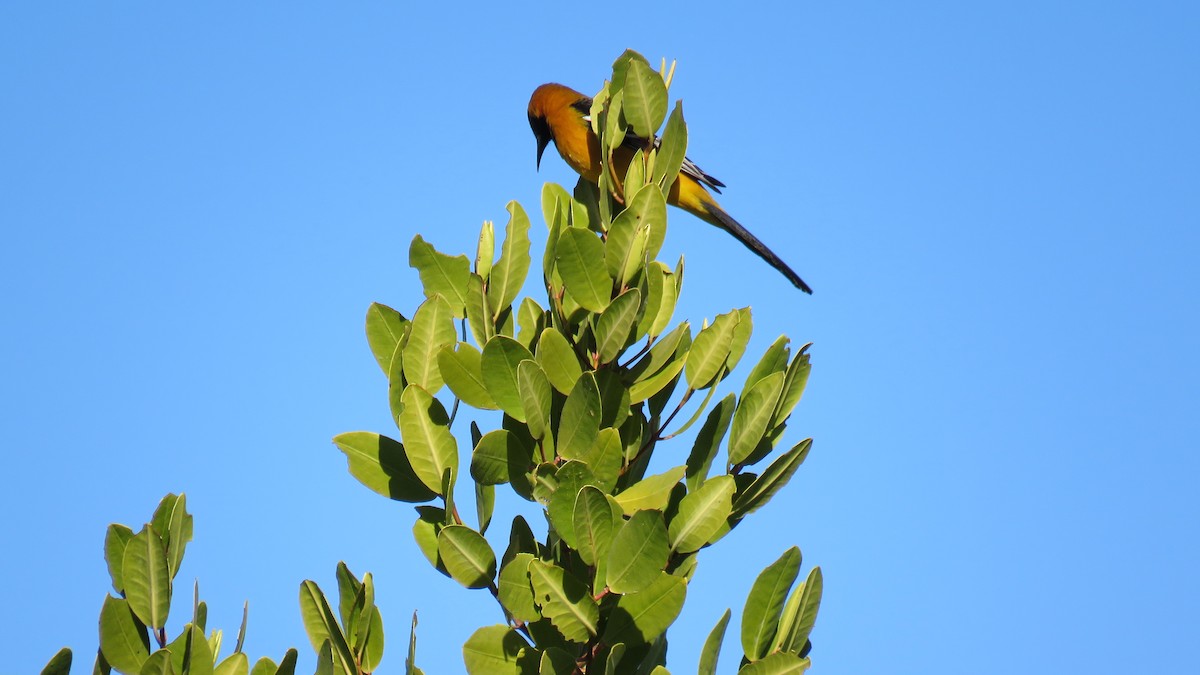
(752,416)
(710,350)
(441,274)
(385,330)
(639,618)
(467,556)
(564,600)
(638,554)
(147,579)
(59,664)
(234,664)
(430,521)
(793,386)
(432,329)
(115,540)
(558,360)
(485,252)
(774,360)
(485,505)
(651,492)
(425,429)
(580,260)
(614,327)
(501,357)
(593,524)
(580,420)
(479,311)
(508,275)
(514,591)
(761,616)
(712,646)
(493,650)
(702,514)
(463,373)
(381,464)
(670,295)
(806,612)
(535,397)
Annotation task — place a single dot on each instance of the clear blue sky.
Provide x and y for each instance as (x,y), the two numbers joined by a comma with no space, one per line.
(996,204)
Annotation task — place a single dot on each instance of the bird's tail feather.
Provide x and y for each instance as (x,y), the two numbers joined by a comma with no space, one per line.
(726,222)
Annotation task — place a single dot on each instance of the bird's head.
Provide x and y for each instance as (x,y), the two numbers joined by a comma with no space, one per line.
(550,105)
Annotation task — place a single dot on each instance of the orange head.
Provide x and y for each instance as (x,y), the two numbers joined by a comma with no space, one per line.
(552,105)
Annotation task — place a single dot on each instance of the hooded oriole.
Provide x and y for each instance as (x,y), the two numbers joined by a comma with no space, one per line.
(560,114)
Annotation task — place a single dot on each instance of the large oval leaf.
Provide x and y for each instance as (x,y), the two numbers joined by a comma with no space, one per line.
(702,514)
(639,552)
(558,360)
(564,600)
(467,556)
(432,328)
(381,464)
(639,618)
(463,373)
(441,274)
(501,357)
(764,604)
(580,261)
(147,578)
(425,429)
(123,640)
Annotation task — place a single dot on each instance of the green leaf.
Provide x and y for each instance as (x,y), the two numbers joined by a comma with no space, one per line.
(115,541)
(178,533)
(669,296)
(463,373)
(514,591)
(793,386)
(535,397)
(625,245)
(531,321)
(485,252)
(501,357)
(564,600)
(580,420)
(671,150)
(485,505)
(806,612)
(752,416)
(593,524)
(385,331)
(467,556)
(321,625)
(614,327)
(555,661)
(349,593)
(159,663)
(780,663)
(147,579)
(190,653)
(432,329)
(760,618)
(558,360)
(771,481)
(645,103)
(479,311)
(425,430)
(59,664)
(702,514)
(605,458)
(234,664)
(710,351)
(580,260)
(639,618)
(712,646)
(430,521)
(651,492)
(774,360)
(638,554)
(123,639)
(381,464)
(508,275)
(644,389)
(325,662)
(441,274)
(555,205)
(410,664)
(493,650)
(264,666)
(708,440)
(287,666)
(635,175)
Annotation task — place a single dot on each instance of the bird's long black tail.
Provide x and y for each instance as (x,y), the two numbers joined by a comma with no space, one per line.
(727,223)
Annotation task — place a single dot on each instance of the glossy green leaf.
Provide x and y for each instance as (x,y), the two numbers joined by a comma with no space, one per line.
(234,664)
(639,618)
(493,650)
(558,361)
(467,556)
(645,103)
(59,664)
(514,591)
(115,540)
(425,429)
(764,604)
(638,554)
(669,296)
(320,625)
(593,524)
(441,274)
(430,521)
(385,330)
(463,373)
(652,492)
(432,329)
(485,505)
(501,357)
(752,416)
(793,386)
(580,261)
(671,150)
(479,311)
(774,360)
(806,612)
(123,639)
(508,275)
(712,646)
(771,481)
(381,464)
(702,514)
(159,663)
(564,600)
(485,252)
(147,579)
(190,653)
(644,389)
(536,397)
(605,458)
(708,440)
(614,327)
(580,420)
(710,351)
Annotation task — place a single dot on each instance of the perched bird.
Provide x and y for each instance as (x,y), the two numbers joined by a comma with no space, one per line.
(560,114)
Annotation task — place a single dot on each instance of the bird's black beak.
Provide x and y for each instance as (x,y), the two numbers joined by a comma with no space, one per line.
(541,131)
